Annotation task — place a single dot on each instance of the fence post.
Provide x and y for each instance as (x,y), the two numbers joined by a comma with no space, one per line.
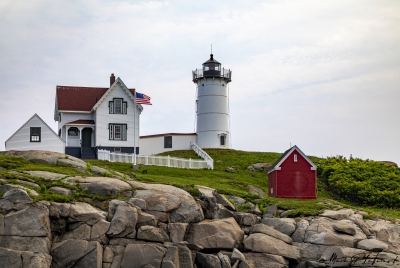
(109,156)
(147,159)
(190,162)
(168,162)
(134,157)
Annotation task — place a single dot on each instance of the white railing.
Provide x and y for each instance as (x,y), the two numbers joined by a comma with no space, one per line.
(165,161)
(202,154)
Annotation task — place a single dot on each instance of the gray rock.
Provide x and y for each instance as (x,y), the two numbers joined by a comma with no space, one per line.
(337,256)
(151,233)
(82,212)
(387,232)
(188,211)
(321,232)
(342,214)
(224,201)
(207,260)
(283,225)
(225,261)
(145,219)
(271,210)
(81,166)
(26,243)
(38,156)
(299,234)
(100,185)
(76,253)
(15,194)
(157,200)
(60,190)
(159,216)
(221,234)
(237,200)
(362,225)
(14,258)
(142,255)
(171,259)
(108,255)
(247,219)
(99,232)
(28,183)
(82,232)
(140,203)
(124,221)
(285,214)
(177,231)
(237,255)
(344,228)
(99,170)
(310,251)
(255,190)
(264,229)
(45,175)
(256,210)
(30,221)
(255,260)
(372,245)
(112,206)
(268,244)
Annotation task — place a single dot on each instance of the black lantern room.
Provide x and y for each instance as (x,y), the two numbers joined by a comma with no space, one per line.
(212,68)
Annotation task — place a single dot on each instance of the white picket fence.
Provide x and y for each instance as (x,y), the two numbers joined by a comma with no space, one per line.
(166,161)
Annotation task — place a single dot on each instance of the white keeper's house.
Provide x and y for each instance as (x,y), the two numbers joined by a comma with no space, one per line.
(92,118)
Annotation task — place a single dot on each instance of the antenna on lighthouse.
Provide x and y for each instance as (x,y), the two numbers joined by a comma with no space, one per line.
(211,48)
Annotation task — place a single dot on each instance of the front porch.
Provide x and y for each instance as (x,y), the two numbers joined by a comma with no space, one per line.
(79,139)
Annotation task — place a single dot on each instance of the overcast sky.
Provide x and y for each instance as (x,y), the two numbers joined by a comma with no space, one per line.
(324,75)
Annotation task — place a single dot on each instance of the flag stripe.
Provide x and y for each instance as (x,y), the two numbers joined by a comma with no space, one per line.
(142,98)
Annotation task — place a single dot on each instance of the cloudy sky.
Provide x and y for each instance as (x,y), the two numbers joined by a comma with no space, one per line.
(324,75)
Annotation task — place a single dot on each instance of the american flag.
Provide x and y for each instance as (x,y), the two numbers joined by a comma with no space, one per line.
(142,98)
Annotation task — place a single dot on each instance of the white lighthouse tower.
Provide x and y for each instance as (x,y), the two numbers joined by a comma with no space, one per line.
(212,105)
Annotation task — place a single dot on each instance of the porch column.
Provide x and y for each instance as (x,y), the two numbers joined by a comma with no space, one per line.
(80,135)
(66,136)
(93,138)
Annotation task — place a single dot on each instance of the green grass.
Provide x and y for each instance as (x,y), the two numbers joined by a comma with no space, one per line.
(229,183)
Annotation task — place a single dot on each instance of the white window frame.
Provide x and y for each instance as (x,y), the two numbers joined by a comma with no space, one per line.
(118,106)
(123,132)
(295,157)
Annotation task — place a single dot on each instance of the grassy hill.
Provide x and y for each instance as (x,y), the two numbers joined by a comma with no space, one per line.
(358,184)
(235,182)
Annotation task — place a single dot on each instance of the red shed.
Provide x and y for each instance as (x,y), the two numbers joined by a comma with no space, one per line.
(294,175)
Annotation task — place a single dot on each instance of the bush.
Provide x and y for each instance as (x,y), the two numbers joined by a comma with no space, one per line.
(363,182)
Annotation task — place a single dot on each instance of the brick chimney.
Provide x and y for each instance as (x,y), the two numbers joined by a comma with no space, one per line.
(112,79)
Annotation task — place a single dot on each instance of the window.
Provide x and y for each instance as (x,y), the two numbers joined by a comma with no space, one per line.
(117,106)
(295,157)
(168,142)
(73,131)
(59,132)
(272,190)
(35,134)
(117,149)
(222,140)
(118,132)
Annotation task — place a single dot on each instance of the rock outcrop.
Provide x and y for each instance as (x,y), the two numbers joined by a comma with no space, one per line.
(164,226)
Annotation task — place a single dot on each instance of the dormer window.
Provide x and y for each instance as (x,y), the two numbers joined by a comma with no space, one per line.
(35,134)
(118,106)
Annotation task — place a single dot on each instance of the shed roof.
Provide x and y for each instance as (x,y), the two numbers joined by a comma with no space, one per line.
(277,164)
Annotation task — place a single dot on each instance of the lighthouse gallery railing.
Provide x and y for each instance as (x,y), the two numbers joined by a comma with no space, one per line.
(198,73)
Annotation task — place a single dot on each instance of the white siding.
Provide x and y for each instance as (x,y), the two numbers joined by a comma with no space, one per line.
(104,118)
(70,117)
(155,145)
(49,140)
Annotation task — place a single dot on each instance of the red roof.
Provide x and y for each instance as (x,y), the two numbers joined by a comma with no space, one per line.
(82,122)
(80,98)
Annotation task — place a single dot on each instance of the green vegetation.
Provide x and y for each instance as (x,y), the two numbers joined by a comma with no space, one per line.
(362,182)
(366,185)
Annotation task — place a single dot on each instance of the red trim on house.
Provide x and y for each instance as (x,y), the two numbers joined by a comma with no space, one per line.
(81,122)
(167,134)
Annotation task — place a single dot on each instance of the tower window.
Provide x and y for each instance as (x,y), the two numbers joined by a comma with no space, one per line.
(222,140)
(295,157)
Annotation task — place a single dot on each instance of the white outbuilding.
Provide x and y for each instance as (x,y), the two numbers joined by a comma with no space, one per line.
(35,134)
